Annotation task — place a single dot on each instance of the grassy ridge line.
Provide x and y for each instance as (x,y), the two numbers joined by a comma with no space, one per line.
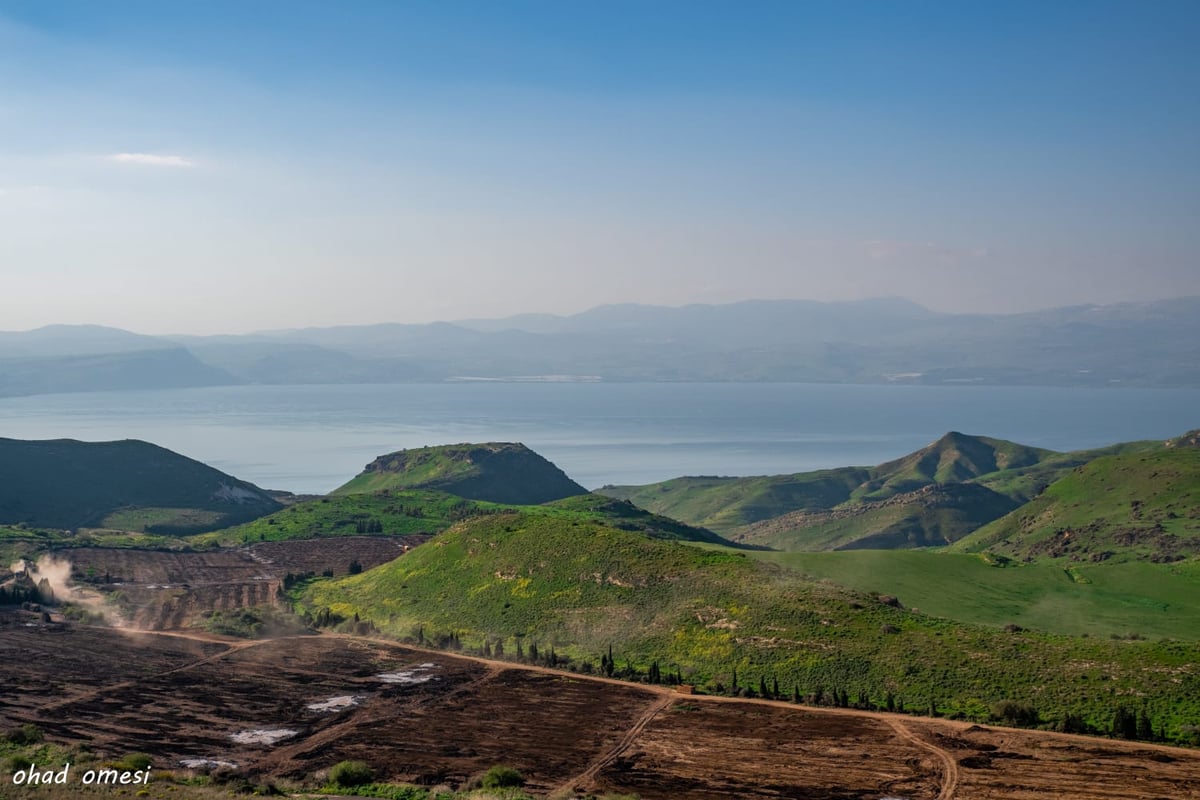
(978,479)
(725,504)
(582,587)
(425,511)
(1143,506)
(393,513)
(932,516)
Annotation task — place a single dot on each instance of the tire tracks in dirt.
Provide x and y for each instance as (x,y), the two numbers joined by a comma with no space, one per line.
(588,776)
(949,765)
(231,648)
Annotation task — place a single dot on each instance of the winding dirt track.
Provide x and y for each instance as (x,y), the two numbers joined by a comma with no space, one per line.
(949,766)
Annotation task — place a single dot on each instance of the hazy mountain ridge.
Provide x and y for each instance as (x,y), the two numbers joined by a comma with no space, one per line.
(886,340)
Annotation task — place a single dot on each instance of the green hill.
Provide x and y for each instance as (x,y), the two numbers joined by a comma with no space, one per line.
(718,617)
(626,516)
(402,512)
(934,515)
(499,472)
(1131,506)
(127,485)
(934,496)
(954,458)
(726,504)
(385,513)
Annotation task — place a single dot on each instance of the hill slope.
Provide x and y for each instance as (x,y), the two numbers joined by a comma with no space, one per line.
(954,458)
(425,511)
(1125,507)
(130,484)
(720,617)
(934,515)
(500,472)
(933,496)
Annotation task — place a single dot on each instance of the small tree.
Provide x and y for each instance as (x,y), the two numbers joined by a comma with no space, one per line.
(351,773)
(502,778)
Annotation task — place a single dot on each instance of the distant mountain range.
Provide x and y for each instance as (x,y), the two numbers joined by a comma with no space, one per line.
(871,341)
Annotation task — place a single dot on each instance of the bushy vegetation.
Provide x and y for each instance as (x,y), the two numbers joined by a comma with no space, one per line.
(500,777)
(253,623)
(351,773)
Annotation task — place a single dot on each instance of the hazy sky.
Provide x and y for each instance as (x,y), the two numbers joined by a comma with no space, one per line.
(214,166)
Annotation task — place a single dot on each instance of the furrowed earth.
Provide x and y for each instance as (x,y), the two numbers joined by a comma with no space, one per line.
(432,718)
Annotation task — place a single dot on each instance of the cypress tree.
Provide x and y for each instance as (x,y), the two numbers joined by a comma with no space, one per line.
(1145,730)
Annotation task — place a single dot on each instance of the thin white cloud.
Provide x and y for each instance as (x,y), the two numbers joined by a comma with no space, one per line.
(152,160)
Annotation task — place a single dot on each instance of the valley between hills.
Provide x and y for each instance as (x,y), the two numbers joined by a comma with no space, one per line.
(976,619)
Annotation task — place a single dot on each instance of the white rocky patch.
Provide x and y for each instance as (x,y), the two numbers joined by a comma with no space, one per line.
(235,494)
(412,675)
(205,763)
(336,703)
(263,735)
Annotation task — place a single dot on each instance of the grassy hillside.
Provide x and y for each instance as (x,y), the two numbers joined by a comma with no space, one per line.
(1150,600)
(500,472)
(625,516)
(390,513)
(378,513)
(934,515)
(579,588)
(931,497)
(726,504)
(1133,506)
(954,458)
(130,485)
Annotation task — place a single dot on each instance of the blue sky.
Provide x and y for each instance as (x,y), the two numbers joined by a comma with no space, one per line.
(225,167)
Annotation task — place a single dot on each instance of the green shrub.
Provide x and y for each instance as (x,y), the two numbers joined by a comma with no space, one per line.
(26,734)
(135,761)
(502,778)
(1017,715)
(17,762)
(351,773)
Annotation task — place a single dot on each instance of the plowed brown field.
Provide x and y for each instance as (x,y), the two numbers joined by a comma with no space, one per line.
(434,718)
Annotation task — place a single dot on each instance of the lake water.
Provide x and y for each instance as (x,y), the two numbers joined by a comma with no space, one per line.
(314,438)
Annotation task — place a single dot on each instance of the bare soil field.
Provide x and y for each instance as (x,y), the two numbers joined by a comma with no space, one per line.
(293,707)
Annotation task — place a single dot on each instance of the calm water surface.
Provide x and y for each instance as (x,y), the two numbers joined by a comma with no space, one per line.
(314,438)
